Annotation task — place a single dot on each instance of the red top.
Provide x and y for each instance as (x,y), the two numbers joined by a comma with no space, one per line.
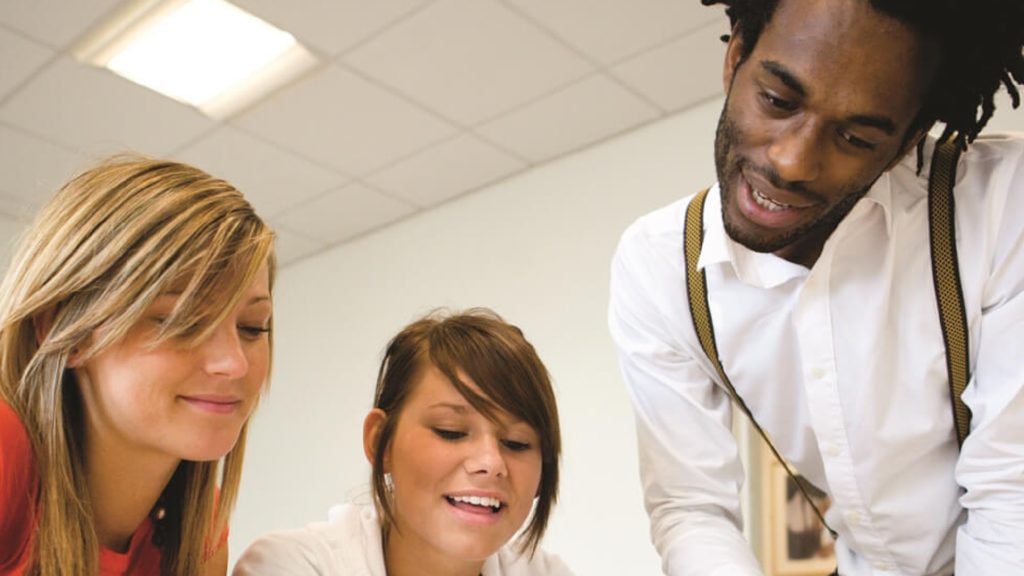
(19,487)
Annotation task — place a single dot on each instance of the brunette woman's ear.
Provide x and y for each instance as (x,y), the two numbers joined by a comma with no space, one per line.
(372,426)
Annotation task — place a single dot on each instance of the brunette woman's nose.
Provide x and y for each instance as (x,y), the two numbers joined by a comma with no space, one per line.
(485,457)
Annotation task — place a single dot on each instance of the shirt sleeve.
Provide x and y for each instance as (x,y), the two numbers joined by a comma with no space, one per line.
(289,553)
(991,463)
(18,489)
(689,460)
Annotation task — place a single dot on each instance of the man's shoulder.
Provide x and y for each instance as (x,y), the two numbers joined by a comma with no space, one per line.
(999,148)
(660,226)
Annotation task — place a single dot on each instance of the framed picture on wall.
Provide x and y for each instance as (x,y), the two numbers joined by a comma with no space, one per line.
(796,543)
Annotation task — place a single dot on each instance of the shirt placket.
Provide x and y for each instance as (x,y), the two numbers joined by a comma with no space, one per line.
(813,321)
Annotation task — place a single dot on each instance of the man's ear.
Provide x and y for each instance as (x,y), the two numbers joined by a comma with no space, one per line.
(372,426)
(908,146)
(733,53)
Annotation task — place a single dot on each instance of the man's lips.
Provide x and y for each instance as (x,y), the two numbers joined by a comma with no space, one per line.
(774,198)
(767,207)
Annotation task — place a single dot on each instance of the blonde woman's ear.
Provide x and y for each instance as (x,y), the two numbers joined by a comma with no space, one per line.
(372,426)
(42,323)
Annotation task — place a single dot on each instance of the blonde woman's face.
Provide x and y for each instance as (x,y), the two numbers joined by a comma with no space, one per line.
(172,400)
(450,465)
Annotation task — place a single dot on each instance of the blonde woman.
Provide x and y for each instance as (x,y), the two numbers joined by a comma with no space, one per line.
(134,344)
(464,443)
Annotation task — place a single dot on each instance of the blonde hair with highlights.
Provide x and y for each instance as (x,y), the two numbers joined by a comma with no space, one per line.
(109,242)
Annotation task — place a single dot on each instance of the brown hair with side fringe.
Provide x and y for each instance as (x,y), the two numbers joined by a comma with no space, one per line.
(511,377)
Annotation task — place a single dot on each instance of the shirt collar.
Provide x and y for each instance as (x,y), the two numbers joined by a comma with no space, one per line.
(761,269)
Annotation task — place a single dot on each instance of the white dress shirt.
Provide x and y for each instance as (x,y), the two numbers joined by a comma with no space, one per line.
(844,366)
(349,544)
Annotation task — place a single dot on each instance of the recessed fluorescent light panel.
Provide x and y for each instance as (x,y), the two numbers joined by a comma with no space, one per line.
(207,53)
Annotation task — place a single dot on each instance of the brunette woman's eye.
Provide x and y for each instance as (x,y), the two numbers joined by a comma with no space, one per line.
(448,434)
(516,446)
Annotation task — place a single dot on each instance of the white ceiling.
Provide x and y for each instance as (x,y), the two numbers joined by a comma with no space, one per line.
(414,102)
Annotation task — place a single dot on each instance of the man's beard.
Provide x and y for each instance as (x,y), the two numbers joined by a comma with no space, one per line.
(728,167)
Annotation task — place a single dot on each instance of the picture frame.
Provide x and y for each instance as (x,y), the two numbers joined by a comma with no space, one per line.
(795,543)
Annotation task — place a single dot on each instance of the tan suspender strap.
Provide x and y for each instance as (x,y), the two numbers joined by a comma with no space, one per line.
(946,274)
(697,291)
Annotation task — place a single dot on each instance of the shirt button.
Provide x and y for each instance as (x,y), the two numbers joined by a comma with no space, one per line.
(818,373)
(833,450)
(853,517)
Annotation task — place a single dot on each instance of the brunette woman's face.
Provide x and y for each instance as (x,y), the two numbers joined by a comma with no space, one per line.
(183,402)
(463,484)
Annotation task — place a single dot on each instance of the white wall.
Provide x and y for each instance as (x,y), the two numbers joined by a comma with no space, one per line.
(536,249)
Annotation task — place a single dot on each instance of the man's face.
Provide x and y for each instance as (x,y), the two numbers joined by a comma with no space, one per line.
(820,108)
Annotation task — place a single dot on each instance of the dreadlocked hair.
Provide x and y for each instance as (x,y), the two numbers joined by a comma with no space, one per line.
(981,45)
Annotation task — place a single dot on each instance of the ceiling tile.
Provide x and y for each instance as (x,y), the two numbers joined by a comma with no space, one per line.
(468,59)
(609,30)
(290,246)
(19,57)
(337,118)
(670,75)
(331,26)
(579,115)
(34,169)
(92,109)
(446,170)
(344,213)
(272,179)
(54,22)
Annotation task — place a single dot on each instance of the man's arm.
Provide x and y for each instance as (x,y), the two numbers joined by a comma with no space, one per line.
(689,460)
(991,464)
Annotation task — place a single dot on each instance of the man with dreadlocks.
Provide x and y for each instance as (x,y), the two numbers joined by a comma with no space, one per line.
(814,251)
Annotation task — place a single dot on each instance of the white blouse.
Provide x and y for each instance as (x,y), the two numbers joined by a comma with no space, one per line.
(349,544)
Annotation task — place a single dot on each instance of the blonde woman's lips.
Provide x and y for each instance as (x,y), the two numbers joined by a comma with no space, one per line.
(213,403)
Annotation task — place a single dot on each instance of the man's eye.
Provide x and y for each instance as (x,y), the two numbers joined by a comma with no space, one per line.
(448,434)
(855,141)
(778,103)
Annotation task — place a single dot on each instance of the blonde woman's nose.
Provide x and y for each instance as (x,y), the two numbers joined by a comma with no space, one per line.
(223,353)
